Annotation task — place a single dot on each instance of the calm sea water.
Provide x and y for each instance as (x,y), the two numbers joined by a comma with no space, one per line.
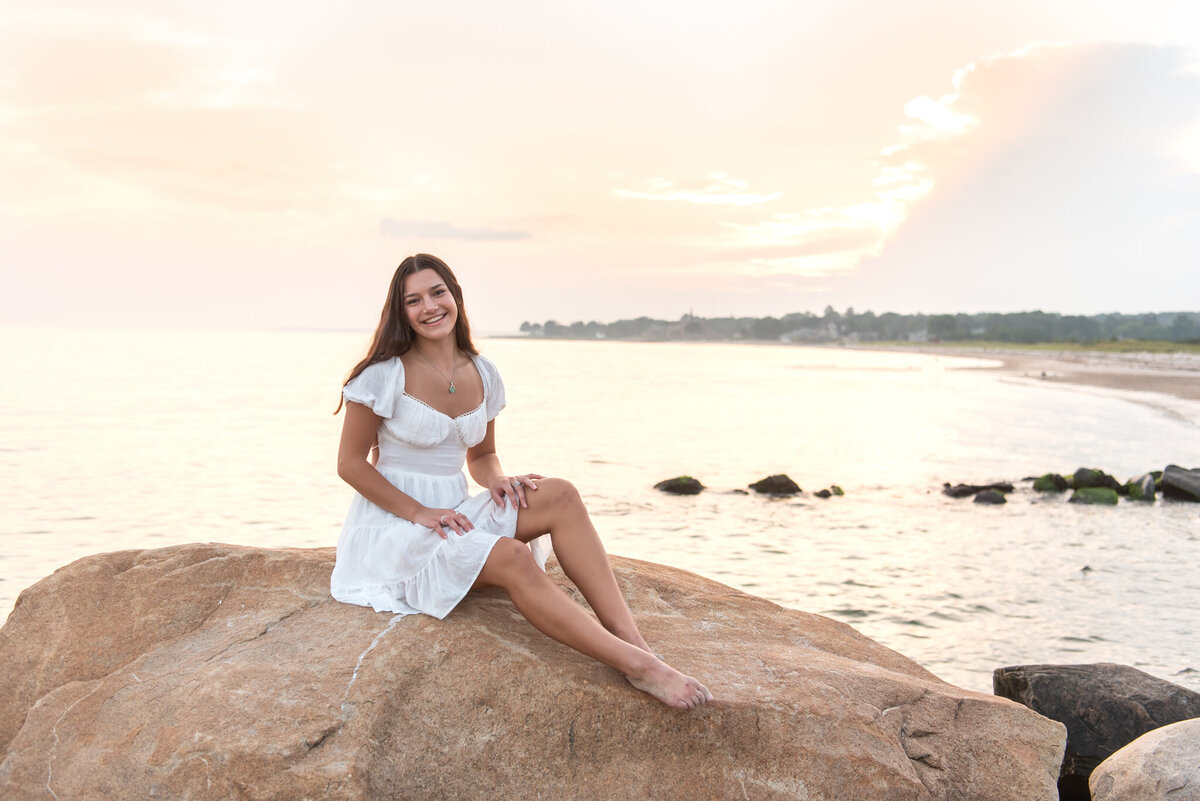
(135,439)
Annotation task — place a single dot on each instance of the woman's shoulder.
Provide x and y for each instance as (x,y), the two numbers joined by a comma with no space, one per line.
(377,386)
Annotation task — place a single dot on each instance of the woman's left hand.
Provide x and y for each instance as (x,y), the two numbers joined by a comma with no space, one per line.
(513,487)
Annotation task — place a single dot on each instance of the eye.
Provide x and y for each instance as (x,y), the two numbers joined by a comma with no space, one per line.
(411,301)
(437,293)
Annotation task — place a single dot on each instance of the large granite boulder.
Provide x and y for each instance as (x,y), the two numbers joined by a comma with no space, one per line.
(1180,483)
(216,671)
(1162,765)
(1104,707)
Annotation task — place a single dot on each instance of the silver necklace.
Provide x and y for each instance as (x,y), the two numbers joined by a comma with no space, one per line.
(453,362)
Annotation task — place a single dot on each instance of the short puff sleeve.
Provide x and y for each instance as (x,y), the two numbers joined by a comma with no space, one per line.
(377,387)
(493,386)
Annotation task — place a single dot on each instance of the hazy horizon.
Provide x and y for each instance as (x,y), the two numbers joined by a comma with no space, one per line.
(232,166)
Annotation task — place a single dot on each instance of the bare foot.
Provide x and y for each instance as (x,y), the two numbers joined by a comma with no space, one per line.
(670,686)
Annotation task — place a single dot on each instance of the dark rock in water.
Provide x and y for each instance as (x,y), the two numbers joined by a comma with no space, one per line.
(1141,488)
(1051,482)
(990,496)
(836,490)
(823,493)
(1095,495)
(1091,477)
(776,485)
(1104,707)
(966,490)
(1181,484)
(680,485)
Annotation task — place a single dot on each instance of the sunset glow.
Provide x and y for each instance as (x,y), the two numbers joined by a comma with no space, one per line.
(262,165)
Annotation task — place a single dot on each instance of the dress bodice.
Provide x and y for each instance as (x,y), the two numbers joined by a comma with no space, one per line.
(414,436)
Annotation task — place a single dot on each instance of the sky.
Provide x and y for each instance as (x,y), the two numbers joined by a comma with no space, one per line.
(268,164)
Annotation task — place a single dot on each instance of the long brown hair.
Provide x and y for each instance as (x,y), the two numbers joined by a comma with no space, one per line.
(394,337)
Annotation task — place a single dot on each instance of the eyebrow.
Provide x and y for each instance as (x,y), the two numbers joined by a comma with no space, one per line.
(408,295)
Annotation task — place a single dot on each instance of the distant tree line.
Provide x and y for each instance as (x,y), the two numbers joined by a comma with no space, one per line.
(832,326)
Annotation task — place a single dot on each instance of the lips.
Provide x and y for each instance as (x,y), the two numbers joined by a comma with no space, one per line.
(434,320)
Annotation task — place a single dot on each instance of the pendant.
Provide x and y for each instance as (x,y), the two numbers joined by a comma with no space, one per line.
(452,389)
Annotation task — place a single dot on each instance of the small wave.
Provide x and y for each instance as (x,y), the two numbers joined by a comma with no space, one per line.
(855,614)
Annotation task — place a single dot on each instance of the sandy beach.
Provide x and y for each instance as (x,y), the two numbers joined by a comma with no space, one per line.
(1168,381)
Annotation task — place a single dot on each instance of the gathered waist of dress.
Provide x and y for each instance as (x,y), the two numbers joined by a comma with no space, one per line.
(432,469)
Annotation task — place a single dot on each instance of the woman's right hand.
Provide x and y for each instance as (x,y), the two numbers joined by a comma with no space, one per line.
(442,521)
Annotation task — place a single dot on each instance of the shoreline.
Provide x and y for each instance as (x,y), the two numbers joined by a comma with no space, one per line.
(1166,382)
(1174,374)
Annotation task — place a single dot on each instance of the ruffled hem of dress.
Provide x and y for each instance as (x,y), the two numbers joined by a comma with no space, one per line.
(447,568)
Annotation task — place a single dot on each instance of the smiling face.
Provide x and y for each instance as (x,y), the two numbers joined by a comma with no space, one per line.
(429,306)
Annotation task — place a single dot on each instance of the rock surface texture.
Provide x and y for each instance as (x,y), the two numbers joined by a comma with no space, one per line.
(1162,765)
(1104,707)
(215,672)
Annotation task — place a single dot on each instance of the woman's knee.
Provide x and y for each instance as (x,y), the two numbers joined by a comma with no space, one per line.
(509,560)
(559,492)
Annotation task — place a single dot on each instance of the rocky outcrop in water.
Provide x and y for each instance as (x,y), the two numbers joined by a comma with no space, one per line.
(776,485)
(1181,484)
(1051,482)
(1090,477)
(1141,488)
(967,490)
(215,672)
(1095,496)
(1104,707)
(1162,765)
(680,485)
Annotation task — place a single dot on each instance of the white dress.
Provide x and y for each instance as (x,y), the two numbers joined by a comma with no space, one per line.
(392,564)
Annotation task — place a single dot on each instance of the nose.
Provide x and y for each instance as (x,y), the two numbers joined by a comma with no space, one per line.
(429,302)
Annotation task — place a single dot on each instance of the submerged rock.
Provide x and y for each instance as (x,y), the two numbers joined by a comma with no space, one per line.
(1141,488)
(1095,495)
(1181,484)
(776,485)
(680,485)
(1104,707)
(1051,482)
(836,490)
(214,671)
(990,496)
(1161,765)
(967,490)
(1091,477)
(823,493)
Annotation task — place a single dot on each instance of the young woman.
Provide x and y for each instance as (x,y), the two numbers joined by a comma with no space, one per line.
(416,541)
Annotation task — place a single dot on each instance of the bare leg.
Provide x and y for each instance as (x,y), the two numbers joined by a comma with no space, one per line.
(511,566)
(557,509)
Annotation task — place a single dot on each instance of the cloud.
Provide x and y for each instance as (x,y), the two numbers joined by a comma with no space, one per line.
(445,230)
(717,190)
(1069,190)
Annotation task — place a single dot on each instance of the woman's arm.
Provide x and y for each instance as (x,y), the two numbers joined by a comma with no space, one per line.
(484,466)
(359,429)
